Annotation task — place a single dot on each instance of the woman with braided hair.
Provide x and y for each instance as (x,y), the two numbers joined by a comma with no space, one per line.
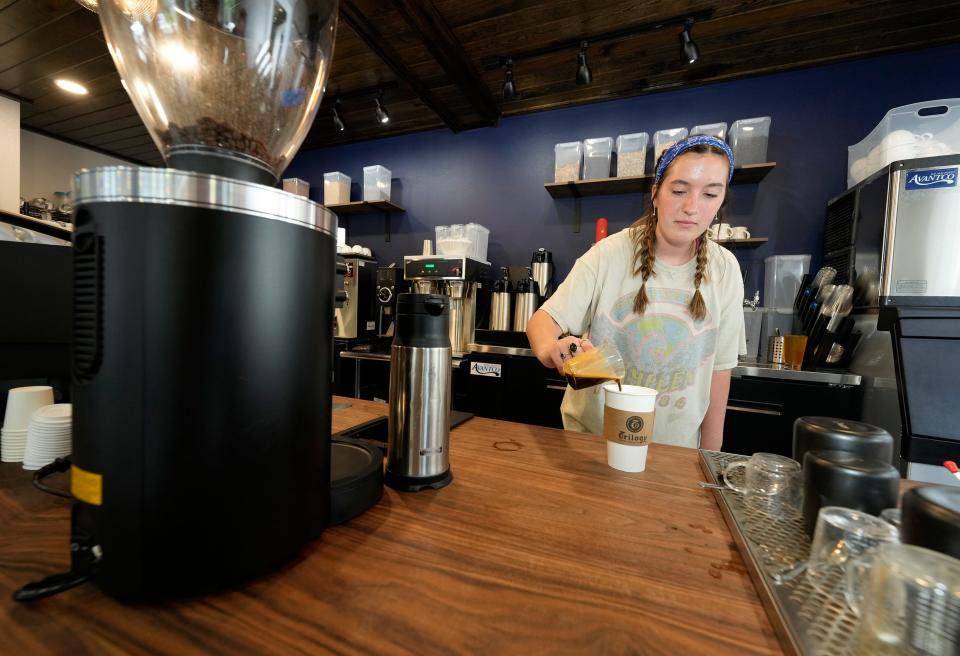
(668,297)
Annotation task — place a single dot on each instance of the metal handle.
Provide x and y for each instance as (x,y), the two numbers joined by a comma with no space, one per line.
(562,388)
(756,411)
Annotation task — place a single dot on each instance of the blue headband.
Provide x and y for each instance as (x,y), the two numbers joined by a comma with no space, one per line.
(684,145)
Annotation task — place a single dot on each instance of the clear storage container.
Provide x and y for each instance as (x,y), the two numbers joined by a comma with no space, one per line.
(376,183)
(718,130)
(336,188)
(925,129)
(752,322)
(782,274)
(297,186)
(631,154)
(567,158)
(596,157)
(462,240)
(748,140)
(663,139)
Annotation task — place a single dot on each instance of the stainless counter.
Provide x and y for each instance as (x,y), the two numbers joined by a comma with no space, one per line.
(779,372)
(753,370)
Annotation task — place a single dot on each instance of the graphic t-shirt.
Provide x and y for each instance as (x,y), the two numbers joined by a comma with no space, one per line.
(665,348)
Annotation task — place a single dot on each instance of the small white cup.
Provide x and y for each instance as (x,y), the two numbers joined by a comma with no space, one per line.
(427,247)
(22,402)
(725,231)
(628,416)
(740,232)
(712,232)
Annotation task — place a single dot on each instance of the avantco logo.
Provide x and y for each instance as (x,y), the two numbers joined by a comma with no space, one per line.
(932,179)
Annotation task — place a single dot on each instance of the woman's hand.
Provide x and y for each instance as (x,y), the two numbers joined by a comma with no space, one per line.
(562,349)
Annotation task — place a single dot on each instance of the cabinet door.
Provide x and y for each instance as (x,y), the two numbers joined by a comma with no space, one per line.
(752,426)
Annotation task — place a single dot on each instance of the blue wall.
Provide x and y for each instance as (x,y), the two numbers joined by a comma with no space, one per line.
(494,176)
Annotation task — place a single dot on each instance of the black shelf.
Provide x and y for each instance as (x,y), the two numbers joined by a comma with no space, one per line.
(368,207)
(749,174)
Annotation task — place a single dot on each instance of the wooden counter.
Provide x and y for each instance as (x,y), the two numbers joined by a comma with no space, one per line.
(537,546)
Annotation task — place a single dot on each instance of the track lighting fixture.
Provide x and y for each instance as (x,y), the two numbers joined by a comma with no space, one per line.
(509,89)
(337,121)
(584,76)
(382,115)
(691,53)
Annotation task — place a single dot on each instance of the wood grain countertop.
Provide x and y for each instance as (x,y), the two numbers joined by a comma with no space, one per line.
(536,547)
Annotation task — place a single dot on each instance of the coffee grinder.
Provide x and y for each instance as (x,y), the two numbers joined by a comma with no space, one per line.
(390,284)
(202,307)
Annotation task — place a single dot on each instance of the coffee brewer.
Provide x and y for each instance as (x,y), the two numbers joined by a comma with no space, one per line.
(457,278)
(202,307)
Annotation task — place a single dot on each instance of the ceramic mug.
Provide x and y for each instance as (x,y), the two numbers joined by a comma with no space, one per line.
(712,232)
(725,231)
(740,232)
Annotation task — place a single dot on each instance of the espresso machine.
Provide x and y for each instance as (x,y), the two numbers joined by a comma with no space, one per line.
(357,319)
(893,236)
(203,296)
(459,278)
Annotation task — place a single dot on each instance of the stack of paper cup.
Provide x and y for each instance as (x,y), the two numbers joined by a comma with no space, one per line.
(48,436)
(628,425)
(22,402)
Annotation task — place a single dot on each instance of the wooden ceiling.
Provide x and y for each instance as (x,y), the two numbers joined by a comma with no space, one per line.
(440,61)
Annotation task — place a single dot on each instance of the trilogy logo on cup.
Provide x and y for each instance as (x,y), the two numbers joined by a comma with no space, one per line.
(635,424)
(485,369)
(931,179)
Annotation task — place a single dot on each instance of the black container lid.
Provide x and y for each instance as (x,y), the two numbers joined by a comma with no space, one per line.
(542,255)
(528,285)
(931,518)
(423,320)
(503,284)
(833,434)
(356,479)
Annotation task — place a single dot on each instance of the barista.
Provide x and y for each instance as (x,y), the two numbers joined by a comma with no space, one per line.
(665,295)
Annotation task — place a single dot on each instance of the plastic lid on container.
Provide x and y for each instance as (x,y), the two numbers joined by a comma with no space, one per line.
(569,145)
(633,141)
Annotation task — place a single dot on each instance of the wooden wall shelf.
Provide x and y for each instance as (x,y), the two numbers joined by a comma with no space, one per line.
(749,174)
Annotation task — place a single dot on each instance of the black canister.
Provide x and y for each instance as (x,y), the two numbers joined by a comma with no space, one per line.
(839,478)
(832,434)
(931,518)
(418,429)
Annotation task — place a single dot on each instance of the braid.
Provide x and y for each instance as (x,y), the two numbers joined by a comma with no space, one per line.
(698,308)
(644,234)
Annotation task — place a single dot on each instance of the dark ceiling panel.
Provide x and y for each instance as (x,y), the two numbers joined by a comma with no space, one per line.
(436,43)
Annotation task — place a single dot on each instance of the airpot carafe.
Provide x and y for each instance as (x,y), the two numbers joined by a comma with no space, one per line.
(203,305)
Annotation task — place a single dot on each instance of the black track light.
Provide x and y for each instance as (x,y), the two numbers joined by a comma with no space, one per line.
(337,121)
(691,53)
(584,76)
(509,89)
(382,115)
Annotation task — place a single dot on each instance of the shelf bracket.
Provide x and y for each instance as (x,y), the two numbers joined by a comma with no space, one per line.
(386,226)
(577,208)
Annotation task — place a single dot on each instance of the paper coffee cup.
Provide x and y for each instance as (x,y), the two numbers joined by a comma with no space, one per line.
(628,425)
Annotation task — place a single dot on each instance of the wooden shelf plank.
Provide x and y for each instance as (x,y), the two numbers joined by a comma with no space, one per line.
(749,174)
(365,207)
(753,242)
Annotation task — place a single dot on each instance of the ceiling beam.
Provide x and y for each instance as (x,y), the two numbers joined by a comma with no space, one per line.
(380,46)
(423,17)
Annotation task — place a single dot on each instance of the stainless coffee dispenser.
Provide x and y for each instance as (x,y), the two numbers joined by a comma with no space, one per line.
(541,264)
(358,317)
(526,302)
(501,302)
(457,278)
(420,379)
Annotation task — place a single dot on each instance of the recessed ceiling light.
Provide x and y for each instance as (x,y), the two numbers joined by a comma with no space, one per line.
(71,87)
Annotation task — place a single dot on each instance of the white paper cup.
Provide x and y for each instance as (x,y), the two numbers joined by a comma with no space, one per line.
(628,425)
(22,402)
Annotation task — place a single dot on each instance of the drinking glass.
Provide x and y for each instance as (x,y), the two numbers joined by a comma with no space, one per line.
(595,366)
(910,603)
(841,536)
(772,483)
